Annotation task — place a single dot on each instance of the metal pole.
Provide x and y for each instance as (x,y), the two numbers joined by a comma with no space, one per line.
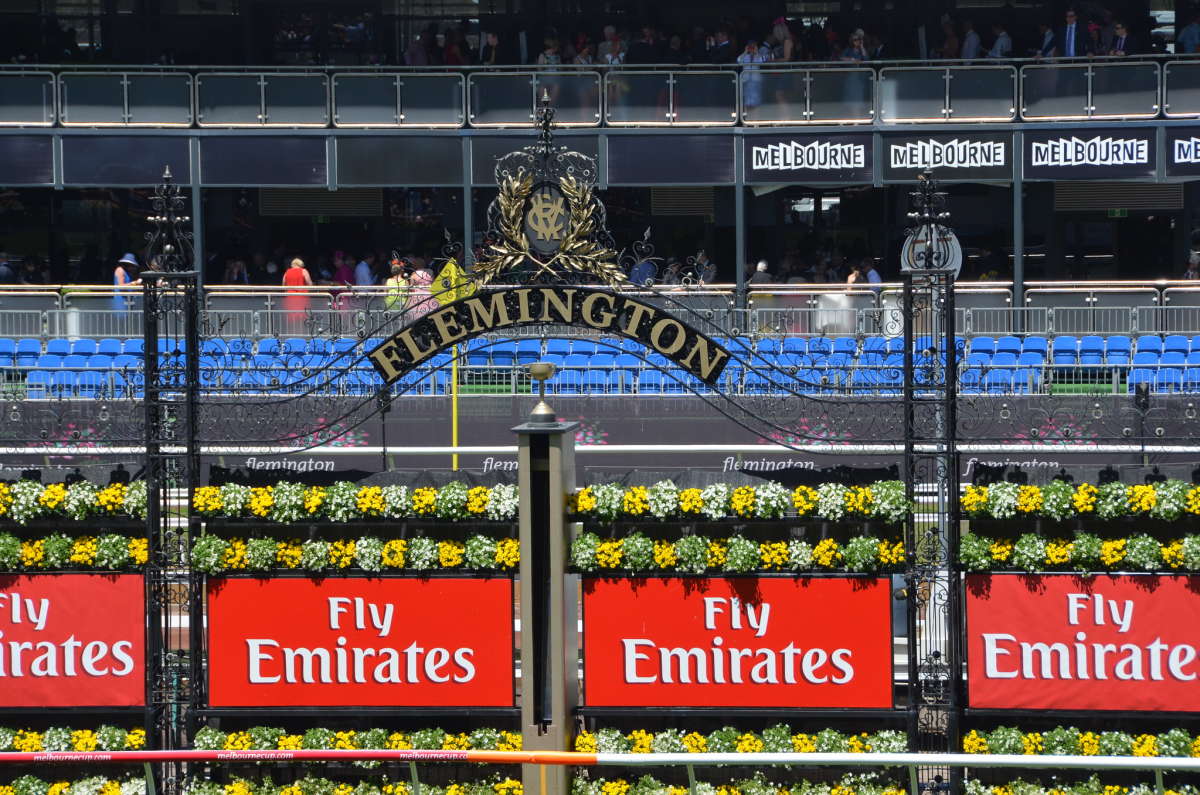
(1018,224)
(739,211)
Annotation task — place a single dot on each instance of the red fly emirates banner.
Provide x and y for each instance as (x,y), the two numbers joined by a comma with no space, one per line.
(72,640)
(356,641)
(738,642)
(1096,643)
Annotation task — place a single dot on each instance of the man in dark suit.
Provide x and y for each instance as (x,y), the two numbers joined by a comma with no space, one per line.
(1071,39)
(1123,43)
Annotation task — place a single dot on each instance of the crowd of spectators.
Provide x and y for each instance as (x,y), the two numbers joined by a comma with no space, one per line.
(1077,33)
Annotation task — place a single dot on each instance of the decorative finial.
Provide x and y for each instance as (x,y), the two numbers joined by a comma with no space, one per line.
(545,119)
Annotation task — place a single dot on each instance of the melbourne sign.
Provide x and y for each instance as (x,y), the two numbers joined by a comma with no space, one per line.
(601,310)
(954,157)
(1073,643)
(809,158)
(1113,153)
(737,642)
(72,640)
(1182,151)
(360,642)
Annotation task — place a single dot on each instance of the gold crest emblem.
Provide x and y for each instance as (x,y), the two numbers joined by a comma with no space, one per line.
(546,217)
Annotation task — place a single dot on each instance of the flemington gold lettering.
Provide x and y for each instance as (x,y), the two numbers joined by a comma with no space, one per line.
(448,329)
(550,298)
(677,339)
(707,364)
(387,360)
(638,311)
(414,351)
(484,318)
(601,320)
(523,305)
(597,309)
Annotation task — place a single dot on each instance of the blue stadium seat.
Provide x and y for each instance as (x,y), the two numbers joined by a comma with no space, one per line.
(997,382)
(1193,358)
(126,361)
(528,351)
(1065,351)
(48,361)
(1031,358)
(1004,359)
(504,353)
(37,385)
(58,347)
(970,380)
(294,346)
(979,359)
(1168,379)
(1140,375)
(1117,350)
(133,347)
(586,347)
(27,351)
(8,347)
(1149,343)
(845,345)
(601,361)
(982,345)
(650,382)
(267,347)
(75,362)
(770,346)
(1174,358)
(83,347)
(214,347)
(554,359)
(596,382)
(1146,358)
(241,345)
(795,345)
(62,384)
(1176,343)
(820,346)
(1035,345)
(1091,350)
(100,362)
(1008,344)
(558,347)
(89,384)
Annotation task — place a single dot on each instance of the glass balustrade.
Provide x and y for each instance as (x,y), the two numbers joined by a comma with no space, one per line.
(27,99)
(1125,90)
(296,100)
(841,95)
(770,94)
(1058,92)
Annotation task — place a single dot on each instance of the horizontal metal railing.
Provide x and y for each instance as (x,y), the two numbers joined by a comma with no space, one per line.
(888,92)
(982,308)
(748,374)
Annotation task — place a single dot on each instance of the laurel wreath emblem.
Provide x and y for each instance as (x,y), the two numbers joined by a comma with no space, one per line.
(578,253)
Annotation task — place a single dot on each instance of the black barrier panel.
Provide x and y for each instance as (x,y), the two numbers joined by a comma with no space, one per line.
(804,159)
(400,160)
(1091,153)
(486,150)
(124,159)
(670,160)
(1182,151)
(262,160)
(953,157)
(26,160)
